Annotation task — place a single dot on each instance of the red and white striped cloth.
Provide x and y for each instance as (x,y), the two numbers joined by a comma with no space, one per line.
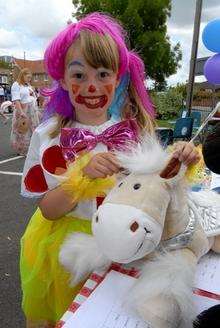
(97,277)
(92,282)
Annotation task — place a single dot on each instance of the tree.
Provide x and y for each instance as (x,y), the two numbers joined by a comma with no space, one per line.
(145,21)
(168,103)
(4,64)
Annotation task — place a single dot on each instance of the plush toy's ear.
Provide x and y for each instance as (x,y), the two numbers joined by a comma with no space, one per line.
(80,256)
(171,169)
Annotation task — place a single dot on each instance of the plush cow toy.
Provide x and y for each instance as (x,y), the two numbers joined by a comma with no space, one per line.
(156,221)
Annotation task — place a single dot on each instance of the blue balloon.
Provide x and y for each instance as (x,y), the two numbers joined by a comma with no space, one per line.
(211,36)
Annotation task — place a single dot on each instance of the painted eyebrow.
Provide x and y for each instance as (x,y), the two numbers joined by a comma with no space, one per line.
(75,62)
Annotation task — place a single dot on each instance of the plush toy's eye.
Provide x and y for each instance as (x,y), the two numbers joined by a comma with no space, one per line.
(120,184)
(137,186)
(134,226)
(97,219)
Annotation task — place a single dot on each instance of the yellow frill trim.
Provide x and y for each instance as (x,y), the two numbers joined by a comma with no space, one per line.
(81,187)
(195,173)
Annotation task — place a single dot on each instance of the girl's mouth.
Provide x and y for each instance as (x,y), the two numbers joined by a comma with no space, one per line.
(92,102)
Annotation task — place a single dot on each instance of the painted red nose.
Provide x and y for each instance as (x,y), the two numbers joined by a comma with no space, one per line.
(92,88)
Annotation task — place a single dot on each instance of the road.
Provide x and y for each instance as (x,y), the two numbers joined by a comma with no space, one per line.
(15,212)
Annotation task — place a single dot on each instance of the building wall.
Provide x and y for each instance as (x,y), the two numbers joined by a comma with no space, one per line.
(40,80)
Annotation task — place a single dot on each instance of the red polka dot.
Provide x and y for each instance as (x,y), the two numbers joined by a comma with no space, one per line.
(35,180)
(53,159)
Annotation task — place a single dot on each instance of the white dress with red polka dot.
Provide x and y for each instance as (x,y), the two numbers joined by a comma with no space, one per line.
(45,159)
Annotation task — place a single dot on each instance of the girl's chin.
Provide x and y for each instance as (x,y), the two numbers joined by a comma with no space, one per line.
(94,111)
(90,115)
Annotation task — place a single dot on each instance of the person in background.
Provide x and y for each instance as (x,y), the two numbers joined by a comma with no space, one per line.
(25,117)
(211,154)
(2,94)
(8,93)
(37,93)
(209,318)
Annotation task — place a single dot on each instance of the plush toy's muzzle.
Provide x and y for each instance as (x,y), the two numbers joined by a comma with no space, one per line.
(125,233)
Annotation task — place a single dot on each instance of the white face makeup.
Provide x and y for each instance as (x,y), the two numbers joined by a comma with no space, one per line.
(91,90)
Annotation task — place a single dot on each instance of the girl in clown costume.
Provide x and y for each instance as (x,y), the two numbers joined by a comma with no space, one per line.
(97,103)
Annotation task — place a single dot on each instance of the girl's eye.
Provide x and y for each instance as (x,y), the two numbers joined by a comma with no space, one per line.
(78,76)
(103,74)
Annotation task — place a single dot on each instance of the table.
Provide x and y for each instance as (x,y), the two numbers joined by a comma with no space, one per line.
(206,292)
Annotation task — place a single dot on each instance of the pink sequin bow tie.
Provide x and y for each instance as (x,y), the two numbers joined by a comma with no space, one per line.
(117,136)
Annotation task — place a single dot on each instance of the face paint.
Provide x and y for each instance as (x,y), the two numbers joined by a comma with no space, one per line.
(109,88)
(92,88)
(75,88)
(92,102)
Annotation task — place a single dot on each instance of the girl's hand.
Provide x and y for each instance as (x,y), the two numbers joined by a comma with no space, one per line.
(186,152)
(101,165)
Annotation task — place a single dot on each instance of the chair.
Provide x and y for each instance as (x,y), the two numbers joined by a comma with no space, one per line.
(183,113)
(183,128)
(197,119)
(165,135)
(197,116)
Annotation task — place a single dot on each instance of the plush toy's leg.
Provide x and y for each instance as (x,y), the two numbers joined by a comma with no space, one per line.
(161,312)
(165,290)
(216,244)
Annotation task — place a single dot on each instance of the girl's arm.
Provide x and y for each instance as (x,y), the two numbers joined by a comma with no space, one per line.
(17,105)
(56,203)
(186,152)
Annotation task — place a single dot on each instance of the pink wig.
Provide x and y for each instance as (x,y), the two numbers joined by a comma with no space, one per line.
(129,62)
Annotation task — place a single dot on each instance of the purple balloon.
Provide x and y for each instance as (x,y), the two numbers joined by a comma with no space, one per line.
(212,69)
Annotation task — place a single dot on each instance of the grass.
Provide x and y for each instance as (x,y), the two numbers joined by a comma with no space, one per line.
(165,123)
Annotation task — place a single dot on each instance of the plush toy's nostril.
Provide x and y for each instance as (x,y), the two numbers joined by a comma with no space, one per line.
(134,226)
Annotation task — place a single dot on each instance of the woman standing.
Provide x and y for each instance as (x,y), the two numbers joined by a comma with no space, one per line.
(25,117)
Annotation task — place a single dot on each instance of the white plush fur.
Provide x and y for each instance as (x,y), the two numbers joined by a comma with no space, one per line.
(172,277)
(80,256)
(205,198)
(145,158)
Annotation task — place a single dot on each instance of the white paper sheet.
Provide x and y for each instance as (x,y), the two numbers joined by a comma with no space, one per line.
(106,307)
(203,303)
(208,273)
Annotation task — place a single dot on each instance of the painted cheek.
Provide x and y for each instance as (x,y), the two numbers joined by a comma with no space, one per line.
(109,88)
(75,88)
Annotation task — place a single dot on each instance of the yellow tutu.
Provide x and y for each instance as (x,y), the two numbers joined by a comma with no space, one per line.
(45,284)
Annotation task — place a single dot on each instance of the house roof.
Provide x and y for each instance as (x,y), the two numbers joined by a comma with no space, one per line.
(35,66)
(206,85)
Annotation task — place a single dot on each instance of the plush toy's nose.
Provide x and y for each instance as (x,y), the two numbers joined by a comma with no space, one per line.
(134,226)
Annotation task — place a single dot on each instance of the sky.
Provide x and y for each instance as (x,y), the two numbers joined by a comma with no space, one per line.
(180,29)
(28,25)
